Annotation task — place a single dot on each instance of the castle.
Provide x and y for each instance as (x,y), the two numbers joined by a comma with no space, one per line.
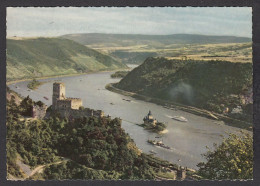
(59,100)
(70,107)
(149,120)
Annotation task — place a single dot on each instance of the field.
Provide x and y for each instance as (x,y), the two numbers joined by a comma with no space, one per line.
(136,48)
(234,52)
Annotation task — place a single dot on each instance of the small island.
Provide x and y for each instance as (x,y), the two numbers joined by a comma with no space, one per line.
(34,84)
(152,124)
(119,74)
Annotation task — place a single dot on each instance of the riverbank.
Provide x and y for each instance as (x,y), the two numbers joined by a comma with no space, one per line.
(172,105)
(59,76)
(34,84)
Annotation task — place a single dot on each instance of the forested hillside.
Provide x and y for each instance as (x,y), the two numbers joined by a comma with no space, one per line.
(30,58)
(211,85)
(84,148)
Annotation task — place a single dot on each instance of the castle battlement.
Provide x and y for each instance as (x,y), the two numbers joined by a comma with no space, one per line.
(72,99)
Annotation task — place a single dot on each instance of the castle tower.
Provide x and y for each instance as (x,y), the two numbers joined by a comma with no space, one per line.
(58,93)
(150,116)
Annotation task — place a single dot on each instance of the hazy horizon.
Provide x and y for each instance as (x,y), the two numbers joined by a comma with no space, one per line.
(58,21)
(123,34)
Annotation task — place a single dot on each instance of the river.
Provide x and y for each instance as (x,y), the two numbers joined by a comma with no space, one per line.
(187,139)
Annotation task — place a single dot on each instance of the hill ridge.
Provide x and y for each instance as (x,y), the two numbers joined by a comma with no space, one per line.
(39,57)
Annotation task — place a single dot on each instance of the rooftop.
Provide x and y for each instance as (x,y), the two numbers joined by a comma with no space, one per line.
(58,83)
(73,99)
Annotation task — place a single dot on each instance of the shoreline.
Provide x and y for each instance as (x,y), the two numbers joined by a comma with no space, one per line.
(193,110)
(58,76)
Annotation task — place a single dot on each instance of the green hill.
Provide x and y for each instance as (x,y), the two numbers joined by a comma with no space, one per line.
(211,85)
(29,58)
(133,39)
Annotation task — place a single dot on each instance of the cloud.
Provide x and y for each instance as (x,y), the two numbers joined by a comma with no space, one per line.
(166,20)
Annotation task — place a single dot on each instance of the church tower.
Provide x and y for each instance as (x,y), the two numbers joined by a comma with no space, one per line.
(58,93)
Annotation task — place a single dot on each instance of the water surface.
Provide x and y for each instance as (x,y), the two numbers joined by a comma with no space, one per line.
(188,140)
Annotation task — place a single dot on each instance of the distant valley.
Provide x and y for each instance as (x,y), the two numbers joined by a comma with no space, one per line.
(136,48)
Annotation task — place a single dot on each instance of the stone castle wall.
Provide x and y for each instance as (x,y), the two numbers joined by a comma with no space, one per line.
(77,113)
(76,103)
(39,112)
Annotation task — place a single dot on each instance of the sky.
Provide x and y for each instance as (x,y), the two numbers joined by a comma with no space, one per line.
(52,22)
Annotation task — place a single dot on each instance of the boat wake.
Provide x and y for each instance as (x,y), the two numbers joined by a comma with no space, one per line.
(168,116)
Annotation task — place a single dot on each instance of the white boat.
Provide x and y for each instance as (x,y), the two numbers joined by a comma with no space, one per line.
(152,152)
(180,118)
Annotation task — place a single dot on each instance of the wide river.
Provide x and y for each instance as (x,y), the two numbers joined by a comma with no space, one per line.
(187,139)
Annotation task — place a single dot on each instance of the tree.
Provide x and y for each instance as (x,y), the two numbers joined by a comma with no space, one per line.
(232,159)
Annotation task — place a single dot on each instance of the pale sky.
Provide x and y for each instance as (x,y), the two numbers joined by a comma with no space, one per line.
(49,22)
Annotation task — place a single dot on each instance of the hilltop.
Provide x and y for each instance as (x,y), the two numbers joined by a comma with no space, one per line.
(132,39)
(219,86)
(39,57)
(131,48)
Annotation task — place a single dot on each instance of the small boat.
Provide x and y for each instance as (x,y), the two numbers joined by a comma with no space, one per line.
(180,118)
(212,116)
(158,143)
(152,152)
(46,98)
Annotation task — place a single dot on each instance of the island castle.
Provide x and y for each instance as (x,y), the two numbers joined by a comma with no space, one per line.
(70,107)
(149,120)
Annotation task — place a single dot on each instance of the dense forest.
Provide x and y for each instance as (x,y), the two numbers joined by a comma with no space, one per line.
(119,74)
(217,86)
(94,148)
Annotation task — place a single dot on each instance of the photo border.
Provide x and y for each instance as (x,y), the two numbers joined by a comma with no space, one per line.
(255,4)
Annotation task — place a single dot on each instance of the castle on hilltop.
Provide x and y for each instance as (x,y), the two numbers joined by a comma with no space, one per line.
(70,107)
(59,100)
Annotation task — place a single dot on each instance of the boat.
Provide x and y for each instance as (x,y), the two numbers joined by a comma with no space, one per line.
(152,152)
(46,98)
(180,118)
(158,143)
(212,116)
